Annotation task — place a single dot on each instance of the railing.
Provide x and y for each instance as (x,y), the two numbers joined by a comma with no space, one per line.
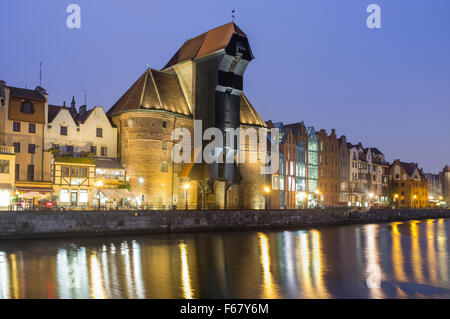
(4,149)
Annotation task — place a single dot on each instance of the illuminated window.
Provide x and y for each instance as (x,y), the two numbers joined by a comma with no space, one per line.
(4,166)
(84,196)
(64,196)
(104,151)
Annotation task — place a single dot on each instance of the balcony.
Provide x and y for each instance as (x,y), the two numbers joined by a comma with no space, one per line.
(4,149)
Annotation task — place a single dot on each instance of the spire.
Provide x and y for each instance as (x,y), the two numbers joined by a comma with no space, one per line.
(73,109)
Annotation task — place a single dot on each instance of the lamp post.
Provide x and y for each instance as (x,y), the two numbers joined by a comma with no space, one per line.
(371,195)
(395,200)
(317,192)
(186,187)
(414,201)
(266,191)
(99,184)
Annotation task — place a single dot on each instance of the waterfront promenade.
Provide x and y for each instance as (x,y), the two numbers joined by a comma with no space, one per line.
(32,224)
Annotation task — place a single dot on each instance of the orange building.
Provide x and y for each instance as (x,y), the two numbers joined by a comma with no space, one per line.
(328,168)
(409,186)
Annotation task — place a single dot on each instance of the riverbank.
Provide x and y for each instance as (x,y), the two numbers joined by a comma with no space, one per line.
(23,225)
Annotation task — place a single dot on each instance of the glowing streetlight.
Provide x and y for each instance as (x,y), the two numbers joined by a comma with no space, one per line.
(267,191)
(99,184)
(186,188)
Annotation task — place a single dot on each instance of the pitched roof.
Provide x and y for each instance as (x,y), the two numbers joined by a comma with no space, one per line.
(81,118)
(206,43)
(154,90)
(248,114)
(53,110)
(26,94)
(410,168)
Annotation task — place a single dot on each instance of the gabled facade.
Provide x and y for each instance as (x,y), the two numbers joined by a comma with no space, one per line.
(81,149)
(409,187)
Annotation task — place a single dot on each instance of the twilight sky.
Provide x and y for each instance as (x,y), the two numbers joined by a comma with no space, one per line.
(315,60)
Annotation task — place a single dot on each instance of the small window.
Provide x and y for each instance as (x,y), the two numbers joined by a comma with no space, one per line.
(164,145)
(164,167)
(55,146)
(16,147)
(4,166)
(65,171)
(164,124)
(31,148)
(16,126)
(94,149)
(63,130)
(17,172)
(104,151)
(99,132)
(31,128)
(69,149)
(27,107)
(30,172)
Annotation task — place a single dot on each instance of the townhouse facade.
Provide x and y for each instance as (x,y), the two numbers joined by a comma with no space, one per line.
(328,168)
(409,186)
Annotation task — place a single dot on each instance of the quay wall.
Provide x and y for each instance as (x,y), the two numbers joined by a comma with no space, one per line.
(34,224)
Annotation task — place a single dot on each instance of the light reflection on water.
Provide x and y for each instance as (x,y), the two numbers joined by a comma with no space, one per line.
(328,262)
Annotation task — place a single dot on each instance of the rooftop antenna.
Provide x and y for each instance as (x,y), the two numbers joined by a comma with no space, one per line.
(85,92)
(40,73)
(233,17)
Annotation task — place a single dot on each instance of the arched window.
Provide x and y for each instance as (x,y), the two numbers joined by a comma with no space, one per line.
(27,107)
(164,167)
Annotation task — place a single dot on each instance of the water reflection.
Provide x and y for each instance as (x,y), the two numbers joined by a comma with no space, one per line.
(186,282)
(329,262)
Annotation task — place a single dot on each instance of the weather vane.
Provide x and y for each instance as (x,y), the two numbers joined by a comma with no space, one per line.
(232,14)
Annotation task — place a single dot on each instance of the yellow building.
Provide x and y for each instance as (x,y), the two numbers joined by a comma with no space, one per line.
(409,186)
(7,162)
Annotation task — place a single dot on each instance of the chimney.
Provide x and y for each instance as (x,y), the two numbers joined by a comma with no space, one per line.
(42,91)
(82,110)
(2,83)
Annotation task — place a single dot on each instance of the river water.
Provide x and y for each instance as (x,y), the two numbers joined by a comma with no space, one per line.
(393,260)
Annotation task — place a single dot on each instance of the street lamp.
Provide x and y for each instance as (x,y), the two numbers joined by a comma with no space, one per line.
(186,187)
(371,195)
(99,184)
(414,201)
(267,191)
(317,192)
(395,199)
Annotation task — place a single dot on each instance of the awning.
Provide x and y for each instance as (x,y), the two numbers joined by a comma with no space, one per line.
(34,189)
(117,193)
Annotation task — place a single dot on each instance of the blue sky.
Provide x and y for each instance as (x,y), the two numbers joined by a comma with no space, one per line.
(315,60)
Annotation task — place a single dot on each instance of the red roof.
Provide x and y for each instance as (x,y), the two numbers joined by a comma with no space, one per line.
(206,43)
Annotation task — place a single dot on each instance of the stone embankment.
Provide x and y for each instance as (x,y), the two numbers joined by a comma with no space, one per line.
(84,223)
